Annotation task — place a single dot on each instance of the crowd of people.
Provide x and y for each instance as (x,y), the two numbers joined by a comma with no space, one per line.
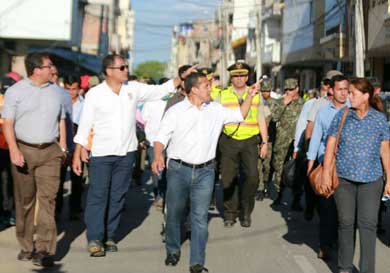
(194,134)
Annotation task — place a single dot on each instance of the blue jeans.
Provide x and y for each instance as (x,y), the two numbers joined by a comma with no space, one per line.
(110,178)
(159,184)
(186,184)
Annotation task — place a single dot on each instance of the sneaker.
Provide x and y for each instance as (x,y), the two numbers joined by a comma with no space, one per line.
(96,249)
(110,246)
(42,258)
(24,256)
(198,268)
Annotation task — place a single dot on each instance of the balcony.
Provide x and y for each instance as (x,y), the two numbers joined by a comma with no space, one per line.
(273,11)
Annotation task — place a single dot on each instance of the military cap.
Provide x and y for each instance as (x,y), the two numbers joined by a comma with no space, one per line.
(208,72)
(239,69)
(266,85)
(290,83)
(331,73)
(374,81)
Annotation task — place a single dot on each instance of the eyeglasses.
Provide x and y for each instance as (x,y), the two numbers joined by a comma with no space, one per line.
(240,101)
(121,68)
(289,89)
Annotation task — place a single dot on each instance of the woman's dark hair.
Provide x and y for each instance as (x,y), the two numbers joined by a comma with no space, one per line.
(364,86)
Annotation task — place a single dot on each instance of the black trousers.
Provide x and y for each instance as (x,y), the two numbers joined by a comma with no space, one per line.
(237,154)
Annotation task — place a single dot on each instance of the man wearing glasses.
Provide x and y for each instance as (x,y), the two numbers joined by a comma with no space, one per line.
(285,112)
(34,116)
(238,148)
(109,108)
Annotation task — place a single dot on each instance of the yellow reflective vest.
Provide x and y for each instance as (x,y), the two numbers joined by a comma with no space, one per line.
(250,126)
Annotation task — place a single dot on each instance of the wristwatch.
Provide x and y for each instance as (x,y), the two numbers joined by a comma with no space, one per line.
(264,142)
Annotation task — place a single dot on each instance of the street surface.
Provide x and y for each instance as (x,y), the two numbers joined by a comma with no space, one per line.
(276,242)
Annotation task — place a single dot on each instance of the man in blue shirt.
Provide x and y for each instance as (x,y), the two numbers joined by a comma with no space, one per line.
(327,209)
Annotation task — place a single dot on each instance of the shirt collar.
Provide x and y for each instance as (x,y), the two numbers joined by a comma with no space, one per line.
(30,82)
(369,114)
(189,105)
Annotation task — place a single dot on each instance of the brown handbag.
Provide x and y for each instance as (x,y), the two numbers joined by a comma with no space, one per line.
(315,176)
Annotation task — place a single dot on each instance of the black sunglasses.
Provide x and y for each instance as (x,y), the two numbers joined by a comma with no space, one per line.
(289,89)
(121,68)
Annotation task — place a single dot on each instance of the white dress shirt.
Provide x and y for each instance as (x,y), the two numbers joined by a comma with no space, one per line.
(193,133)
(112,116)
(152,114)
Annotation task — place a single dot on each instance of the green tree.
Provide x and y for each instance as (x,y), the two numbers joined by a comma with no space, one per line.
(150,69)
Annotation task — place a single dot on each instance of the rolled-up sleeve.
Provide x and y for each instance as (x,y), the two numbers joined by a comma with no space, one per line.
(149,92)
(10,105)
(86,122)
(167,127)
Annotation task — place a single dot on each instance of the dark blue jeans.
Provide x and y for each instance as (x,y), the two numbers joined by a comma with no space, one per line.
(186,184)
(110,178)
(159,183)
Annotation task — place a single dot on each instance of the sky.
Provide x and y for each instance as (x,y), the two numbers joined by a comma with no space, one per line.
(154,20)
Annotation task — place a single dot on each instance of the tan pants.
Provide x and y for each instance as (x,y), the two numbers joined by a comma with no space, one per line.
(39,179)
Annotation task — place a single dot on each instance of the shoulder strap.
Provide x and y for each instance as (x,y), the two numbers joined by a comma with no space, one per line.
(341,127)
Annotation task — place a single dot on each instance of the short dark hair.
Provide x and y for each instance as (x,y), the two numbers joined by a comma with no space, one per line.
(163,80)
(182,69)
(71,79)
(109,60)
(34,60)
(337,78)
(192,80)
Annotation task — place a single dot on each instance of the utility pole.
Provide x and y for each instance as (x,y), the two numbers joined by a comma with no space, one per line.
(360,40)
(259,66)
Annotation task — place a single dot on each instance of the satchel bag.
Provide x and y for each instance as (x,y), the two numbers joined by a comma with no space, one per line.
(315,176)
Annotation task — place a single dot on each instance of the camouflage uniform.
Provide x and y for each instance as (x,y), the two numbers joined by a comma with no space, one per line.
(264,164)
(286,118)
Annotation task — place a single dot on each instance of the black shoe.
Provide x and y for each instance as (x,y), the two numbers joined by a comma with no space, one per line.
(24,256)
(260,195)
(198,268)
(246,222)
(277,202)
(42,258)
(324,253)
(296,205)
(228,223)
(110,246)
(172,259)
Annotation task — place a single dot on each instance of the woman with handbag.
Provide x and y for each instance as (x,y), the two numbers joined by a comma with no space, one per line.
(363,149)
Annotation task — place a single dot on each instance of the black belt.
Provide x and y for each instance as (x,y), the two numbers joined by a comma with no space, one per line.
(194,166)
(38,146)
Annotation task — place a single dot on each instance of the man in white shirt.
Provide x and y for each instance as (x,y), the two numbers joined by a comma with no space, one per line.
(192,128)
(109,108)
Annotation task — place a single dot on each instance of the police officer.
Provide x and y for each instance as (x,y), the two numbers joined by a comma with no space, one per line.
(239,149)
(285,112)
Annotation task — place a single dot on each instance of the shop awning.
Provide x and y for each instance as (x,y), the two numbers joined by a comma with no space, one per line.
(87,61)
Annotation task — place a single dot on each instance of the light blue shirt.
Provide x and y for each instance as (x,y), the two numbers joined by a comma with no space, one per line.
(77,109)
(302,122)
(358,155)
(320,131)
